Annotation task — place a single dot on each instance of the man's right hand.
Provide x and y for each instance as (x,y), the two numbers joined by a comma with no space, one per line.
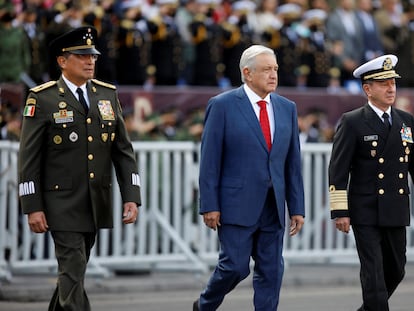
(37,222)
(343,224)
(212,219)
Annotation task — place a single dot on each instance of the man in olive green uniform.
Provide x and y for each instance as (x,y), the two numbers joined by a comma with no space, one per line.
(368,177)
(69,142)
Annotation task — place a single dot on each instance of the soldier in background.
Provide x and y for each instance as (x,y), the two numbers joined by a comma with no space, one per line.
(102,16)
(289,51)
(14,48)
(206,38)
(38,67)
(134,45)
(316,60)
(183,18)
(237,36)
(266,24)
(166,44)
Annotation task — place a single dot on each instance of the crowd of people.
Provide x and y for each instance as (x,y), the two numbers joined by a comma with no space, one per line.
(199,42)
(149,43)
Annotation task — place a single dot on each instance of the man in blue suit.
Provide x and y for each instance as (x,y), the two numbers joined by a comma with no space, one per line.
(247,176)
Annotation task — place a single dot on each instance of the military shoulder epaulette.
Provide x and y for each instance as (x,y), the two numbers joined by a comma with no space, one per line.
(108,85)
(43,86)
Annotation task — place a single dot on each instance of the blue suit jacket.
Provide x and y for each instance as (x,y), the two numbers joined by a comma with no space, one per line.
(237,170)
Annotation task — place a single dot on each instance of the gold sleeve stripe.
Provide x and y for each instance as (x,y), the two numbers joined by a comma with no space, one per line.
(338,200)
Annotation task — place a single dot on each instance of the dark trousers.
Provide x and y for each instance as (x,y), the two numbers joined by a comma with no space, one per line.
(264,243)
(72,250)
(381,252)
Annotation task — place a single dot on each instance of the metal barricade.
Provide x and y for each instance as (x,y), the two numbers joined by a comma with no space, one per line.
(169,233)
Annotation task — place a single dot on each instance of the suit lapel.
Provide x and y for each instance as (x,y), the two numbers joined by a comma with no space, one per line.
(248,113)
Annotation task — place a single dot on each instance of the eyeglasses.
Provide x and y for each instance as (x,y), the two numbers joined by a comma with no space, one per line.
(86,56)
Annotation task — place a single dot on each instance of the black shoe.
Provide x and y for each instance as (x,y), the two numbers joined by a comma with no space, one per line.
(196,305)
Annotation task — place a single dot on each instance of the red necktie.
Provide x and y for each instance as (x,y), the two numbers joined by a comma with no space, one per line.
(264,123)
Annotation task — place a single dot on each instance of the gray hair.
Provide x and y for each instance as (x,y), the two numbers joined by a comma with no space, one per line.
(248,58)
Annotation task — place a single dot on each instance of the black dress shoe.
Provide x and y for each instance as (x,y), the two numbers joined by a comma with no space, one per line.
(195,305)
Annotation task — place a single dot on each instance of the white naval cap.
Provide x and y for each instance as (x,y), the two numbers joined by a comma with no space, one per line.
(244,5)
(131,4)
(289,9)
(380,68)
(315,15)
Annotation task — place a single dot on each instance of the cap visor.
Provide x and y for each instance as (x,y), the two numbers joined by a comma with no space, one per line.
(91,51)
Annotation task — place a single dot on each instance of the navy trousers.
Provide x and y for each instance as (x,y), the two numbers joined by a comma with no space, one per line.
(264,243)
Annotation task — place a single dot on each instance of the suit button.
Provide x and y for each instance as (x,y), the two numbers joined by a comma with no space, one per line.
(91,175)
(380,175)
(90,138)
(401,159)
(89,120)
(56,187)
(401,191)
(381,160)
(401,175)
(381,191)
(90,157)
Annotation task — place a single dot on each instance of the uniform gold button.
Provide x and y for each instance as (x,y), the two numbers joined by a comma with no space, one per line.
(89,120)
(401,159)
(404,143)
(56,187)
(64,126)
(381,191)
(90,156)
(381,160)
(110,123)
(380,175)
(374,144)
(91,175)
(90,138)
(400,175)
(401,191)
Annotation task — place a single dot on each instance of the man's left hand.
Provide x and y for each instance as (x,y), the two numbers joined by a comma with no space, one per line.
(130,213)
(296,223)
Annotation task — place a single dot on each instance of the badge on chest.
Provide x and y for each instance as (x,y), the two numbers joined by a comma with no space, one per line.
(105,109)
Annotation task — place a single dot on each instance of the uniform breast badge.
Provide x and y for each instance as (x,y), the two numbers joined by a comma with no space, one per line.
(63,116)
(73,137)
(406,134)
(105,109)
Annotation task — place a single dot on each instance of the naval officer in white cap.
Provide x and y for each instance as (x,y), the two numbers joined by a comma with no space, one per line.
(368,181)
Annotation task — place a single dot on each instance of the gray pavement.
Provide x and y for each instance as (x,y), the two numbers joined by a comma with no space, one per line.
(305,287)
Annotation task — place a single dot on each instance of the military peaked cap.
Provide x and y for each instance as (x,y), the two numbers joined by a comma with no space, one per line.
(78,41)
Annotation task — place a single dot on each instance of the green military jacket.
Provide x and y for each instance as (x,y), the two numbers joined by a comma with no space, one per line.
(66,157)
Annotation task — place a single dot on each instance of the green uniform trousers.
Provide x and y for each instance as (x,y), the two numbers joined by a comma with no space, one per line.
(72,250)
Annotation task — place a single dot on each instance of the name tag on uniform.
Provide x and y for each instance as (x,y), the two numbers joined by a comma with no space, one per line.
(105,109)
(370,137)
(63,116)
